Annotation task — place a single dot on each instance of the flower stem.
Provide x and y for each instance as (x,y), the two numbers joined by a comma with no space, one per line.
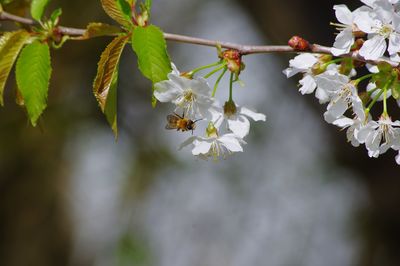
(194,71)
(385,100)
(231,88)
(218,80)
(215,71)
(363,78)
(334,61)
(375,100)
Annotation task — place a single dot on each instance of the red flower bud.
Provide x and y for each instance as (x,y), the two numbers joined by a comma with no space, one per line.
(299,44)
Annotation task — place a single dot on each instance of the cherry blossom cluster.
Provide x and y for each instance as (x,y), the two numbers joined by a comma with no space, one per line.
(356,93)
(226,125)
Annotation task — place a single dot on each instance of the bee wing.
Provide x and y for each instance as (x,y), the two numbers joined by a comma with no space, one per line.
(172,122)
(170,126)
(172,119)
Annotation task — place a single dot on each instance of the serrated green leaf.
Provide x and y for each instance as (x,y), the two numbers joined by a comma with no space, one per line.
(151,49)
(115,10)
(105,83)
(37,8)
(33,74)
(100,29)
(11,44)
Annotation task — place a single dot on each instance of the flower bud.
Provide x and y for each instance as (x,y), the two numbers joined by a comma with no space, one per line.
(230,108)
(233,60)
(299,44)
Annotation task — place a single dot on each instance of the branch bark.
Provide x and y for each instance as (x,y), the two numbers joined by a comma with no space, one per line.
(243,49)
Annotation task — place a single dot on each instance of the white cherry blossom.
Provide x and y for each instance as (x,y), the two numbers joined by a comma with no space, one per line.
(353,126)
(214,146)
(191,96)
(343,94)
(379,136)
(345,39)
(303,63)
(381,24)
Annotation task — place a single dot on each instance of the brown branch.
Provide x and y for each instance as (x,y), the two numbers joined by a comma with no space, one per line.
(243,49)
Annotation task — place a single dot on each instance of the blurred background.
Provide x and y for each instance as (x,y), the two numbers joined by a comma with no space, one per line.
(299,194)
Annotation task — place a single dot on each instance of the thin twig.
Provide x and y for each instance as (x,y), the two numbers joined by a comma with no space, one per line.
(243,49)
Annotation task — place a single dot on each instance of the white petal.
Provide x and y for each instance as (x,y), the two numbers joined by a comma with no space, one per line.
(343,14)
(308,84)
(240,126)
(322,96)
(337,108)
(175,70)
(331,82)
(166,91)
(364,22)
(358,107)
(252,114)
(343,122)
(398,158)
(394,43)
(290,72)
(372,68)
(373,48)
(343,42)
(231,142)
(303,61)
(201,147)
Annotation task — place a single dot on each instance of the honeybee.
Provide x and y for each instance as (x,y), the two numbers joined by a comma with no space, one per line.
(180,123)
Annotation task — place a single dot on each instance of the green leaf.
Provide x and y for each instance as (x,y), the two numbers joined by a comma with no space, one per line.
(100,29)
(54,17)
(110,110)
(117,11)
(105,83)
(33,75)
(37,8)
(151,49)
(148,4)
(11,44)
(125,8)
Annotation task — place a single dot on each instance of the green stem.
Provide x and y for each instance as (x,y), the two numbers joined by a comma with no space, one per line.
(374,100)
(218,80)
(214,71)
(385,100)
(231,88)
(334,61)
(363,78)
(383,91)
(194,71)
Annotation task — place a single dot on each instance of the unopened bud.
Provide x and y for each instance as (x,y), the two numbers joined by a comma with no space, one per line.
(299,44)
(233,60)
